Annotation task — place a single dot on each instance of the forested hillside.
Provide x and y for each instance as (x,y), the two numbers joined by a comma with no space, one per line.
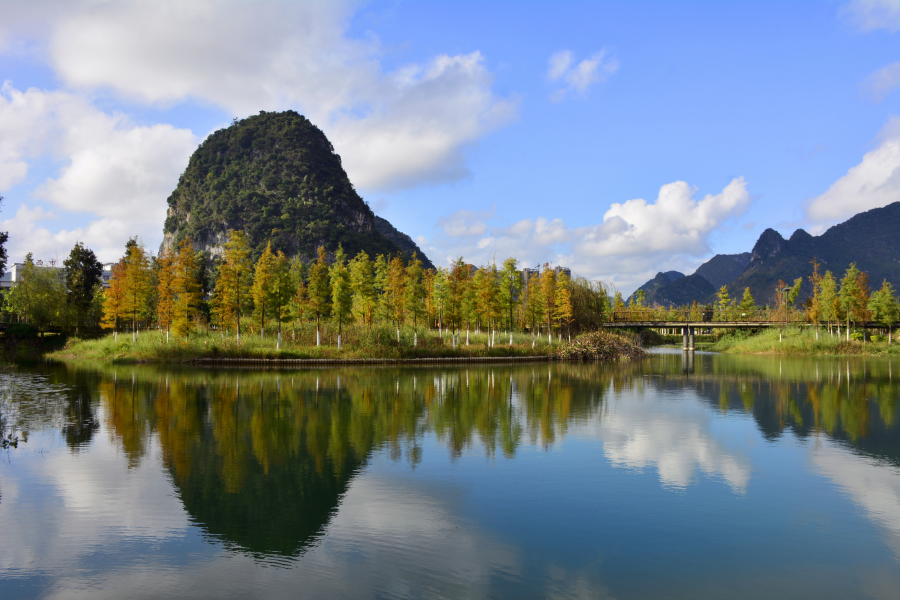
(276,177)
(870,239)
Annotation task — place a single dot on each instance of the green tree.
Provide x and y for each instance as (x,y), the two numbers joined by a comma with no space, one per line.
(232,295)
(723,300)
(282,291)
(319,291)
(884,308)
(849,294)
(534,302)
(748,304)
(828,297)
(262,285)
(440,292)
(379,284)
(510,287)
(394,296)
(82,276)
(415,293)
(341,291)
(39,297)
(362,282)
(457,284)
(638,298)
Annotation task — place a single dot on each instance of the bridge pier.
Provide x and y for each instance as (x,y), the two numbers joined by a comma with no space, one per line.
(691,338)
(684,336)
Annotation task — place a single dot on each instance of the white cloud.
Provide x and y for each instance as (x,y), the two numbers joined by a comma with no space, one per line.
(577,78)
(393,129)
(106,237)
(634,240)
(882,82)
(873,183)
(465,223)
(111,168)
(869,15)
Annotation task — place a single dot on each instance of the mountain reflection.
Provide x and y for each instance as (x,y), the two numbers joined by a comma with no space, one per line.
(262,459)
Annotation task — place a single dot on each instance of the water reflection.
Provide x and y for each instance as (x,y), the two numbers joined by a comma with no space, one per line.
(274,464)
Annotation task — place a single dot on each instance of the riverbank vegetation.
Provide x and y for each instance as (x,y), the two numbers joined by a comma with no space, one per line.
(329,307)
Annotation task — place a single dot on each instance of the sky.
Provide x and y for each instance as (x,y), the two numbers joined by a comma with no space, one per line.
(618,139)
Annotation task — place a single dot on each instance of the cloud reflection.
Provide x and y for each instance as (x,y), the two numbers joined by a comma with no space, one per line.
(648,429)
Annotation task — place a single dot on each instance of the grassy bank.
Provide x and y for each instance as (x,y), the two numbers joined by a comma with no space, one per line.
(378,343)
(798,341)
(358,343)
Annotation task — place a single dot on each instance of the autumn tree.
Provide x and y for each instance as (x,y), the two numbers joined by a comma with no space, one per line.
(188,296)
(548,287)
(136,287)
(165,292)
(114,299)
(563,302)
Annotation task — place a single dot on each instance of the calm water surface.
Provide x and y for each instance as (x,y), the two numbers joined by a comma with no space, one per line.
(724,476)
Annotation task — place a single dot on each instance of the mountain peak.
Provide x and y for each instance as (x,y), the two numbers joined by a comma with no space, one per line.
(769,244)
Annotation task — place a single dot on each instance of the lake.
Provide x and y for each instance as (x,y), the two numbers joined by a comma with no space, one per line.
(708,476)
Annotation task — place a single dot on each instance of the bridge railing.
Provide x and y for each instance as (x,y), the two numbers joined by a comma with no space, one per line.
(705,315)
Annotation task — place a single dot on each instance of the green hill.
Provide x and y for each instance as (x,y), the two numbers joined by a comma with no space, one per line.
(276,177)
(869,239)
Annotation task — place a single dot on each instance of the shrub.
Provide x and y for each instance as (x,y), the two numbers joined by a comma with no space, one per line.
(599,345)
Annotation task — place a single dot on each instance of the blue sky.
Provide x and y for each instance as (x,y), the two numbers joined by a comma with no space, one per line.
(616,138)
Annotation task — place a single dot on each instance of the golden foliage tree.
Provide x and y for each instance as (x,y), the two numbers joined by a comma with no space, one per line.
(187,288)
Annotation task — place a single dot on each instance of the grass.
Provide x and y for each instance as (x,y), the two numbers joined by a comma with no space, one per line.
(358,342)
(797,341)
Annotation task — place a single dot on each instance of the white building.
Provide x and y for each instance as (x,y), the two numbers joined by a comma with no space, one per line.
(14,272)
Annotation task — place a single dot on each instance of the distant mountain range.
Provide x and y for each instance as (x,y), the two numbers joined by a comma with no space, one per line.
(870,239)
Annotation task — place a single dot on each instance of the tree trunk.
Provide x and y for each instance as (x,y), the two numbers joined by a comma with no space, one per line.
(278,343)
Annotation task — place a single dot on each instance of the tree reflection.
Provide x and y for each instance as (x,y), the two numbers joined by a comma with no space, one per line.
(261,459)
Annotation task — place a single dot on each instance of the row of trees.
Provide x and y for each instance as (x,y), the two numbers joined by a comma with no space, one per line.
(829,302)
(68,298)
(169,293)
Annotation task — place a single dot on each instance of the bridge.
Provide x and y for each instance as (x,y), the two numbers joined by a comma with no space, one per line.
(702,318)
